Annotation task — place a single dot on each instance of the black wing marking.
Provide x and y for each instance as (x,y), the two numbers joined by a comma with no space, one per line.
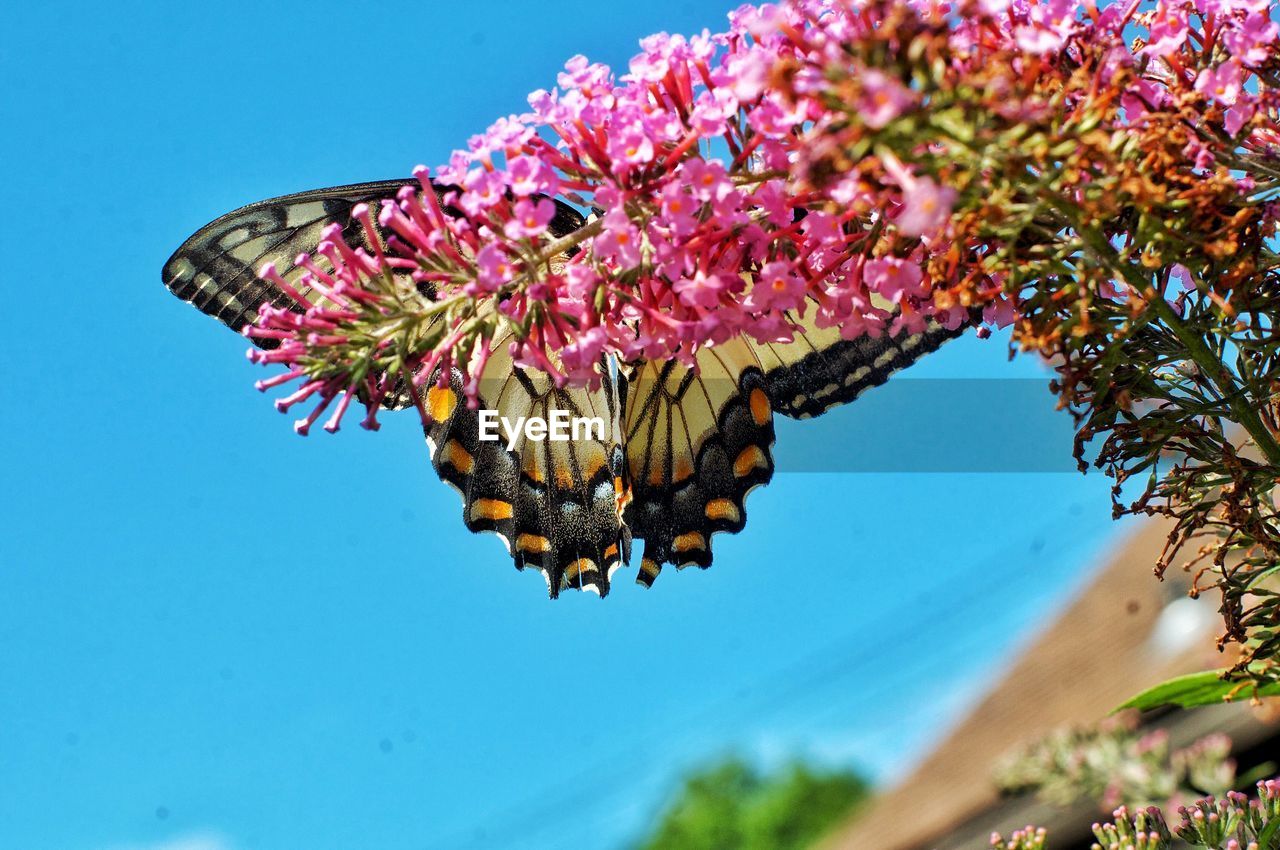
(697,444)
(556,505)
(216,269)
(819,369)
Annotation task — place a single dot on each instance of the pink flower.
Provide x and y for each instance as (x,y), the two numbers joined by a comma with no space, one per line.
(771,118)
(706,178)
(1223,83)
(701,290)
(771,197)
(883,98)
(1141,97)
(777,287)
(745,73)
(630,147)
(1237,116)
(1180,273)
(1049,25)
(715,327)
(1000,312)
(711,112)
(590,79)
(895,279)
(493,268)
(547,106)
(530,219)
(581,281)
(620,241)
(505,134)
(679,209)
(529,175)
(1168,30)
(1249,41)
(652,65)
(483,189)
(926,206)
(583,352)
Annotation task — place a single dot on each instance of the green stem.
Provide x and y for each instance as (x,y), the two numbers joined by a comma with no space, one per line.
(1217,371)
(1237,400)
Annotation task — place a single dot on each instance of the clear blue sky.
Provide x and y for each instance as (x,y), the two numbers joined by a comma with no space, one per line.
(215,635)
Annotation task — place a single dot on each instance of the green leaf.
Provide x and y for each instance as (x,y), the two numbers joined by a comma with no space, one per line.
(1267,838)
(1196,689)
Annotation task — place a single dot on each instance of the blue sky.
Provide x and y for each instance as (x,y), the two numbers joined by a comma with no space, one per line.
(215,635)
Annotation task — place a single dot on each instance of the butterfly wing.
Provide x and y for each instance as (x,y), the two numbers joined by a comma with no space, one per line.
(216,269)
(819,370)
(555,505)
(681,449)
(698,441)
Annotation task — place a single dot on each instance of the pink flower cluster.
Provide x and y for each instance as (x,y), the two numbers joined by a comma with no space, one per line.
(704,227)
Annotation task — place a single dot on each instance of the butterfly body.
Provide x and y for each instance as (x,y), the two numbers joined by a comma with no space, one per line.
(681,449)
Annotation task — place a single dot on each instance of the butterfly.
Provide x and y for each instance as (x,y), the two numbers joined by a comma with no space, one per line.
(682,446)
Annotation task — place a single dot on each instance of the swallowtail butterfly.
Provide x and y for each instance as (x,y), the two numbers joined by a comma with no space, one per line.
(683,448)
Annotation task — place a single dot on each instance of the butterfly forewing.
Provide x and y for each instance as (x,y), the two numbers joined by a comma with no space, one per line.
(216,269)
(819,369)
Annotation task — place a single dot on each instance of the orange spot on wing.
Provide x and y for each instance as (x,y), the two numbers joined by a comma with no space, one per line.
(593,464)
(579,567)
(532,543)
(564,476)
(689,541)
(722,509)
(441,402)
(621,493)
(657,477)
(531,467)
(683,469)
(752,457)
(458,457)
(611,551)
(491,509)
(760,410)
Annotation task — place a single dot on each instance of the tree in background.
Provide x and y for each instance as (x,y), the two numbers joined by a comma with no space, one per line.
(734,806)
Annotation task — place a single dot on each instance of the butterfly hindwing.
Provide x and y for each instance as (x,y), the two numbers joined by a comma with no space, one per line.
(697,442)
(555,504)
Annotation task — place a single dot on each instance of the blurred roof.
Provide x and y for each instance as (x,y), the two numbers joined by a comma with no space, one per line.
(1119,636)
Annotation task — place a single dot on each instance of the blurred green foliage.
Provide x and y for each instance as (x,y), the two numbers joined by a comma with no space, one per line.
(733,806)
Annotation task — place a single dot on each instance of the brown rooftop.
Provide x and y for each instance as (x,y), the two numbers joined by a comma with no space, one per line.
(1098,654)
